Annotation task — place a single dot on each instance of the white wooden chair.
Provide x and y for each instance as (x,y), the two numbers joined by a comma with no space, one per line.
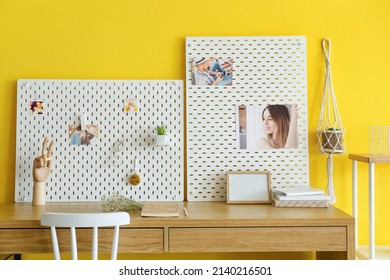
(84,220)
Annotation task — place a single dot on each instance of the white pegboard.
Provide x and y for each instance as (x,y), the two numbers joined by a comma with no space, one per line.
(85,173)
(266,70)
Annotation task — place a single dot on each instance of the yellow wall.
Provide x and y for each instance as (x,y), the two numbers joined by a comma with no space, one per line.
(125,39)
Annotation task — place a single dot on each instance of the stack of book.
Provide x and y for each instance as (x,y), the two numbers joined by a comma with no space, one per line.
(300,196)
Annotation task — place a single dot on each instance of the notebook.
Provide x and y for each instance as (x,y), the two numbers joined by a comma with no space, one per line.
(160,209)
(297,190)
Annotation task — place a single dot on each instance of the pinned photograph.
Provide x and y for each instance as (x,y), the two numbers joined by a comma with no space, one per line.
(89,136)
(36,107)
(130,105)
(208,71)
(271,126)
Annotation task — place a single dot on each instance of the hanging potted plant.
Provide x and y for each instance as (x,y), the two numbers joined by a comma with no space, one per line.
(332,141)
(161,137)
(330,130)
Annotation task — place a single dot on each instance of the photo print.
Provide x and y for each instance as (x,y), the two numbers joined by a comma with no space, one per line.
(208,71)
(130,105)
(272,126)
(36,107)
(88,136)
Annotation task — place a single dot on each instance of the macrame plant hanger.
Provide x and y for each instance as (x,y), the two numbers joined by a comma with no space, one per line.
(330,130)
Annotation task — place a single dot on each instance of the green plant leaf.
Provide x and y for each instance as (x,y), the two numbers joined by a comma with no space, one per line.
(161,130)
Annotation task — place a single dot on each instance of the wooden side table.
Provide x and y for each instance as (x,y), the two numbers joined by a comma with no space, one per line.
(371,160)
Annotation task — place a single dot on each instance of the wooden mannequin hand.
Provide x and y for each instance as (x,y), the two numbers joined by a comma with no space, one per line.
(41,170)
(43,164)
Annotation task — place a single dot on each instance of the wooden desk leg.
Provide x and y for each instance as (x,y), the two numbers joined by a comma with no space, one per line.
(355,198)
(371,197)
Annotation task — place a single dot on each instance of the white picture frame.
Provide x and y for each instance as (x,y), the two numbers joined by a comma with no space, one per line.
(248,187)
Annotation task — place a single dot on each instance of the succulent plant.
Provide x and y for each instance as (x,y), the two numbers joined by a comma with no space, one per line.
(161,130)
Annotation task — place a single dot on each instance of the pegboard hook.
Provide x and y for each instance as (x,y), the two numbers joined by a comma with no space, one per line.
(135,167)
(118,148)
(119,145)
(83,121)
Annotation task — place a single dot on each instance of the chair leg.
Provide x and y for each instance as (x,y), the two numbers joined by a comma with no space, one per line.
(54,240)
(114,249)
(74,243)
(95,243)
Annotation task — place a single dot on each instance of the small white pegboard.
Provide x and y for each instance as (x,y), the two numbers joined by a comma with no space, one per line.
(85,173)
(266,70)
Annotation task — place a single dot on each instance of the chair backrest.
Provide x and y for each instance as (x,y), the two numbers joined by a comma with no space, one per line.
(85,220)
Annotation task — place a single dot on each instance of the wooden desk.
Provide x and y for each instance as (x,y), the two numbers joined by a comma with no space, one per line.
(209,227)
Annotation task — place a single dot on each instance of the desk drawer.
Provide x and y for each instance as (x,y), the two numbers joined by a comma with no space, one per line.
(259,239)
(39,240)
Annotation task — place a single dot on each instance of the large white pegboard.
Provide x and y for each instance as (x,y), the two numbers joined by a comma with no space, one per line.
(85,173)
(266,70)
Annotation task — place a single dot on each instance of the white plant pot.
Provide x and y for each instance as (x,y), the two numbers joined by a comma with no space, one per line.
(161,140)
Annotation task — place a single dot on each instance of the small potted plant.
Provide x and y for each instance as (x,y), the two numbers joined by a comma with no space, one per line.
(332,141)
(161,137)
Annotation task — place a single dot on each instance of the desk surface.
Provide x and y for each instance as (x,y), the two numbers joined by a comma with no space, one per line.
(209,227)
(22,215)
(367,158)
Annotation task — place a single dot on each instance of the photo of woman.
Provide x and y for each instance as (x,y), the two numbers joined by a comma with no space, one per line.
(267,127)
